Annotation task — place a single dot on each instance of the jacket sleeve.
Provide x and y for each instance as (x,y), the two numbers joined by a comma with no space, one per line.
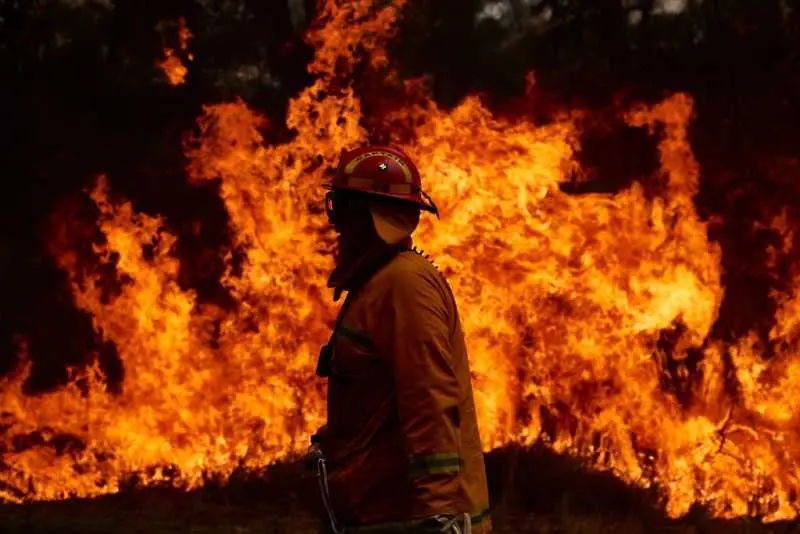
(416,341)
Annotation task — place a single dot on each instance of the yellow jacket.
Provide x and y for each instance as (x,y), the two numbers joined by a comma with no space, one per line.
(402,437)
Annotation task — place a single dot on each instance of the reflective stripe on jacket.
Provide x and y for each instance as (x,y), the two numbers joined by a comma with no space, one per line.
(402,437)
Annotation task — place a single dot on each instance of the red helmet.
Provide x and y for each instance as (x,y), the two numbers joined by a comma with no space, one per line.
(382,171)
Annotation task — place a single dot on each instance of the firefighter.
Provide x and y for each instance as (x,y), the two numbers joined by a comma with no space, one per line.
(400,452)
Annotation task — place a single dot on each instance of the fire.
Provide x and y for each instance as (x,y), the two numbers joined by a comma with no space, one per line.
(172,65)
(566,301)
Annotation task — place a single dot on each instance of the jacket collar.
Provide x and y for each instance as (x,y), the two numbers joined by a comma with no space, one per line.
(351,275)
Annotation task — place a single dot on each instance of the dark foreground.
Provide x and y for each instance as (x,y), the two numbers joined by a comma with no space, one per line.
(533,492)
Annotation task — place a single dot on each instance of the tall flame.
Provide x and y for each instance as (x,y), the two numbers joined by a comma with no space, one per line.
(172,65)
(566,301)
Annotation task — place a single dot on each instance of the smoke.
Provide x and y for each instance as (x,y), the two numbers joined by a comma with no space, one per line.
(670,6)
(498,10)
(297,12)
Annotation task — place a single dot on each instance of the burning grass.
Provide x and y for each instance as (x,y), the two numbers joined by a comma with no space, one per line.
(547,494)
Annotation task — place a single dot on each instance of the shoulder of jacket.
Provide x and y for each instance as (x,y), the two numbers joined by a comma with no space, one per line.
(410,276)
(414,262)
(411,269)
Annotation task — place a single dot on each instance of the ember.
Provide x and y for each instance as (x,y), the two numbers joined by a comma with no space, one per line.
(172,65)
(565,298)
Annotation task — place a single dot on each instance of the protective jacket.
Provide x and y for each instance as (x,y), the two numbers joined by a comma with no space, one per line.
(402,439)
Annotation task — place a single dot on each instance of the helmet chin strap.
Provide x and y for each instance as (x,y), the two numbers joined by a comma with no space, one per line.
(431,204)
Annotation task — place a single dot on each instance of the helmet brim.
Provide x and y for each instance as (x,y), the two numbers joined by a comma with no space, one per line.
(424,206)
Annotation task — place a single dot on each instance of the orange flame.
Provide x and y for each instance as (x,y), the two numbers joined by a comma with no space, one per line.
(172,65)
(564,301)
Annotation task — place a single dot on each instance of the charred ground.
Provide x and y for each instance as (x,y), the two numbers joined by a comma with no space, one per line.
(560,498)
